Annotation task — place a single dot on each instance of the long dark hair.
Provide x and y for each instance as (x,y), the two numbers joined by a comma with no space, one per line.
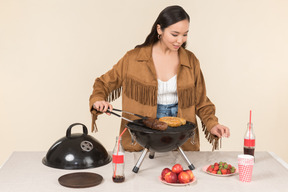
(167,17)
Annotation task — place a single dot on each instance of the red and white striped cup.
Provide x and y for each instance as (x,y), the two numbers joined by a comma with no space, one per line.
(245,167)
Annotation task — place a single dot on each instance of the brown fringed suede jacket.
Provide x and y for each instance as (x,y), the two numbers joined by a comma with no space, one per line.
(135,76)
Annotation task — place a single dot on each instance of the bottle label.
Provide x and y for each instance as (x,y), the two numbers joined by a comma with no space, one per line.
(249,142)
(118,158)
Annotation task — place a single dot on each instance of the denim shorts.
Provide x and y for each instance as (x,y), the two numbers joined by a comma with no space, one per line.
(167,110)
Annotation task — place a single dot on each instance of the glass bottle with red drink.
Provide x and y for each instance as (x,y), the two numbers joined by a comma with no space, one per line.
(249,140)
(118,162)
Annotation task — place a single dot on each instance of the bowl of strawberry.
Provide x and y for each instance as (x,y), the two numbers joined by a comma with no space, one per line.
(177,175)
(220,169)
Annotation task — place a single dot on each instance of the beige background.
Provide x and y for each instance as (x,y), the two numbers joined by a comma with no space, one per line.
(51,52)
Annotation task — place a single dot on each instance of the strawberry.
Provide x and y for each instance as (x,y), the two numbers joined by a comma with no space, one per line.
(228,171)
(216,168)
(214,172)
(216,164)
(224,171)
(209,169)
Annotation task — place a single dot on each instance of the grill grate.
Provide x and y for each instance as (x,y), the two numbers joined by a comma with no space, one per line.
(140,127)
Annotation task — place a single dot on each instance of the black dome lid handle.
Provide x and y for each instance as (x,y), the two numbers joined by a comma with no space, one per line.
(68,132)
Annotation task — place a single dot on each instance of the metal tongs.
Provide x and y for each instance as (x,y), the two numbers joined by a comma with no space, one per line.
(129,120)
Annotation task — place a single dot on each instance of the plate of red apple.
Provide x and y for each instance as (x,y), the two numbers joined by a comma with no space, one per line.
(221,169)
(177,176)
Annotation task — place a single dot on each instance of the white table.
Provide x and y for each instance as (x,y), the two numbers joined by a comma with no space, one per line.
(24,171)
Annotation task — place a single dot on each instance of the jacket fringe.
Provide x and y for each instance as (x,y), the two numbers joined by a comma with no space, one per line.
(115,94)
(214,140)
(94,126)
(142,93)
(187,97)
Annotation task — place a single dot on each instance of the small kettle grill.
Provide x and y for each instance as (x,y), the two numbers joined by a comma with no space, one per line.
(160,141)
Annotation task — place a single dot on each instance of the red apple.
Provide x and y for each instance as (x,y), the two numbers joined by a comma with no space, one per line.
(177,168)
(190,173)
(171,177)
(164,172)
(184,177)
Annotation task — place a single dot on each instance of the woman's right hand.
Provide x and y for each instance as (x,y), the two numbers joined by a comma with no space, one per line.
(103,106)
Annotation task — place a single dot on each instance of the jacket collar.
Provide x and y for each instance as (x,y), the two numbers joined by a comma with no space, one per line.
(145,54)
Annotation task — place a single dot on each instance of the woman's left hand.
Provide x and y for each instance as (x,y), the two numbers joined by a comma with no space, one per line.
(220,131)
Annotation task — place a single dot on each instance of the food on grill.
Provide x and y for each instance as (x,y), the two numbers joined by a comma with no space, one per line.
(155,124)
(183,121)
(173,121)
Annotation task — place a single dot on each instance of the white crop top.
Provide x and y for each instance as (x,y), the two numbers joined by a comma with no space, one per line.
(167,91)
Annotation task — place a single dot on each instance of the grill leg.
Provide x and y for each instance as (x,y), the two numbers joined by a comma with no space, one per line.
(190,165)
(151,155)
(140,160)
